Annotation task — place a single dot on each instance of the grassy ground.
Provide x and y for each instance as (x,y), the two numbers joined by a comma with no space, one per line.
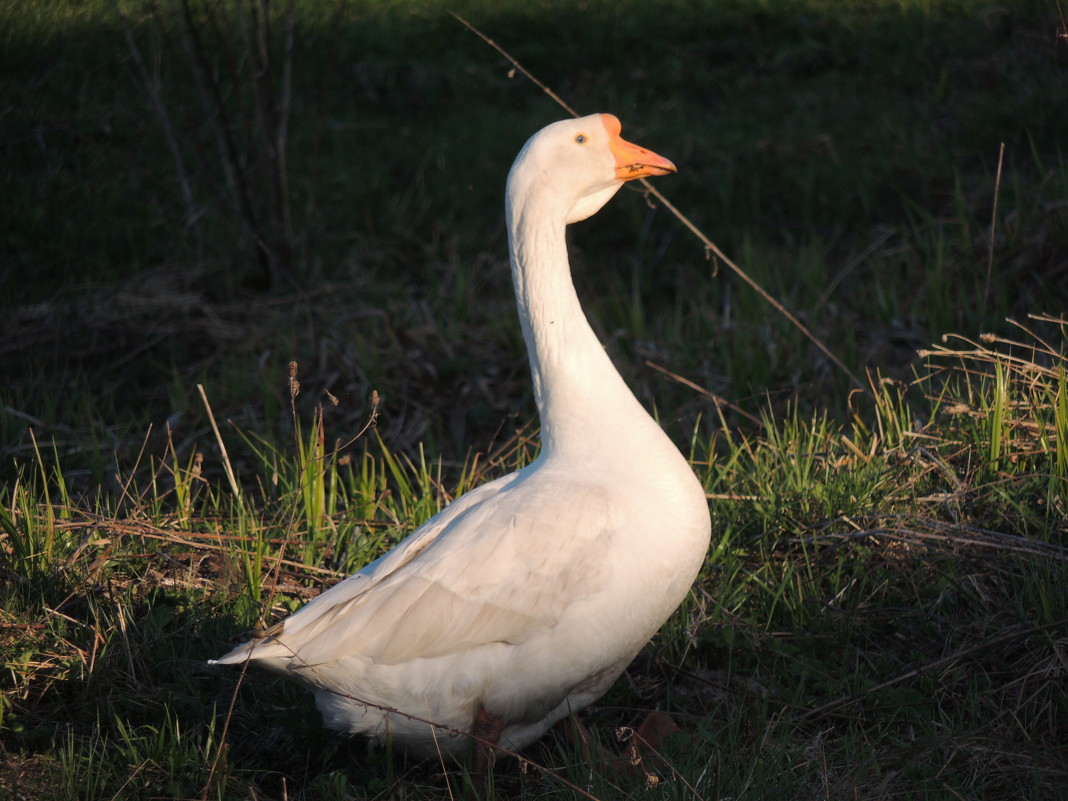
(883,612)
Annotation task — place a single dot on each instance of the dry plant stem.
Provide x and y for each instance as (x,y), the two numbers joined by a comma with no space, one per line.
(1017,364)
(220,124)
(441,757)
(949,659)
(222,445)
(710,246)
(654,753)
(716,399)
(125,493)
(478,741)
(515,64)
(189,538)
(372,421)
(276,572)
(152,88)
(980,538)
(851,265)
(294,391)
(274,112)
(208,80)
(225,729)
(1050,350)
(993,229)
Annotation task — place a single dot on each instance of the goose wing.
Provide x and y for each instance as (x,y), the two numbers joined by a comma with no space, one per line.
(499,564)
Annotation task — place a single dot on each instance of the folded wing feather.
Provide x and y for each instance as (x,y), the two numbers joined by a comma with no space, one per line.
(478,573)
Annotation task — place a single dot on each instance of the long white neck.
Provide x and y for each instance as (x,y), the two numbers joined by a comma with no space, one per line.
(586,409)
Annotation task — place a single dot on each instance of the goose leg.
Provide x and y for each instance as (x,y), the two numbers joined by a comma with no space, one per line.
(487,730)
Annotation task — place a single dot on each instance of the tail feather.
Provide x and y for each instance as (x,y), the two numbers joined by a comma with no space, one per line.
(266,651)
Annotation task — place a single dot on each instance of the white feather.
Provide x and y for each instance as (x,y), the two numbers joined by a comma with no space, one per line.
(528,596)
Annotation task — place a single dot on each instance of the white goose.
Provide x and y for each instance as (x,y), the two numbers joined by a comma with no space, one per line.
(524,599)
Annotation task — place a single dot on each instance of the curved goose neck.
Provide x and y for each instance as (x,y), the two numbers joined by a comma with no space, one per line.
(581,398)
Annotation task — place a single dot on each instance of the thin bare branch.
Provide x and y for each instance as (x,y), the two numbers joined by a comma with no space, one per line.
(519,67)
(155,96)
(710,246)
(716,399)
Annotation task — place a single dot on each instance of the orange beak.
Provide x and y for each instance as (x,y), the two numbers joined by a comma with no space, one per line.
(632,161)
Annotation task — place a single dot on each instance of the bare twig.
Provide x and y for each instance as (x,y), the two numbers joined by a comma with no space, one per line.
(221,750)
(712,396)
(969,537)
(282,130)
(710,246)
(529,75)
(269,231)
(152,88)
(372,421)
(1006,636)
(273,113)
(852,264)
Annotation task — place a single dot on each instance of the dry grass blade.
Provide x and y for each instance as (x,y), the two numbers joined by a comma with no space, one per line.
(152,88)
(1014,634)
(987,288)
(201,542)
(474,738)
(234,486)
(916,529)
(716,399)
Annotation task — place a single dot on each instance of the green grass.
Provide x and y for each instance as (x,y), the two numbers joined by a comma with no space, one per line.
(882,613)
(844,154)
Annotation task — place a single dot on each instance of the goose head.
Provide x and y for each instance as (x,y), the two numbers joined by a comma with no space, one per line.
(580,164)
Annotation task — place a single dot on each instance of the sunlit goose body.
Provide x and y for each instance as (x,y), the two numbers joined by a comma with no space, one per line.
(523,600)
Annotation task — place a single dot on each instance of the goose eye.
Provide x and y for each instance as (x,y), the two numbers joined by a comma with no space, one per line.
(581,139)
